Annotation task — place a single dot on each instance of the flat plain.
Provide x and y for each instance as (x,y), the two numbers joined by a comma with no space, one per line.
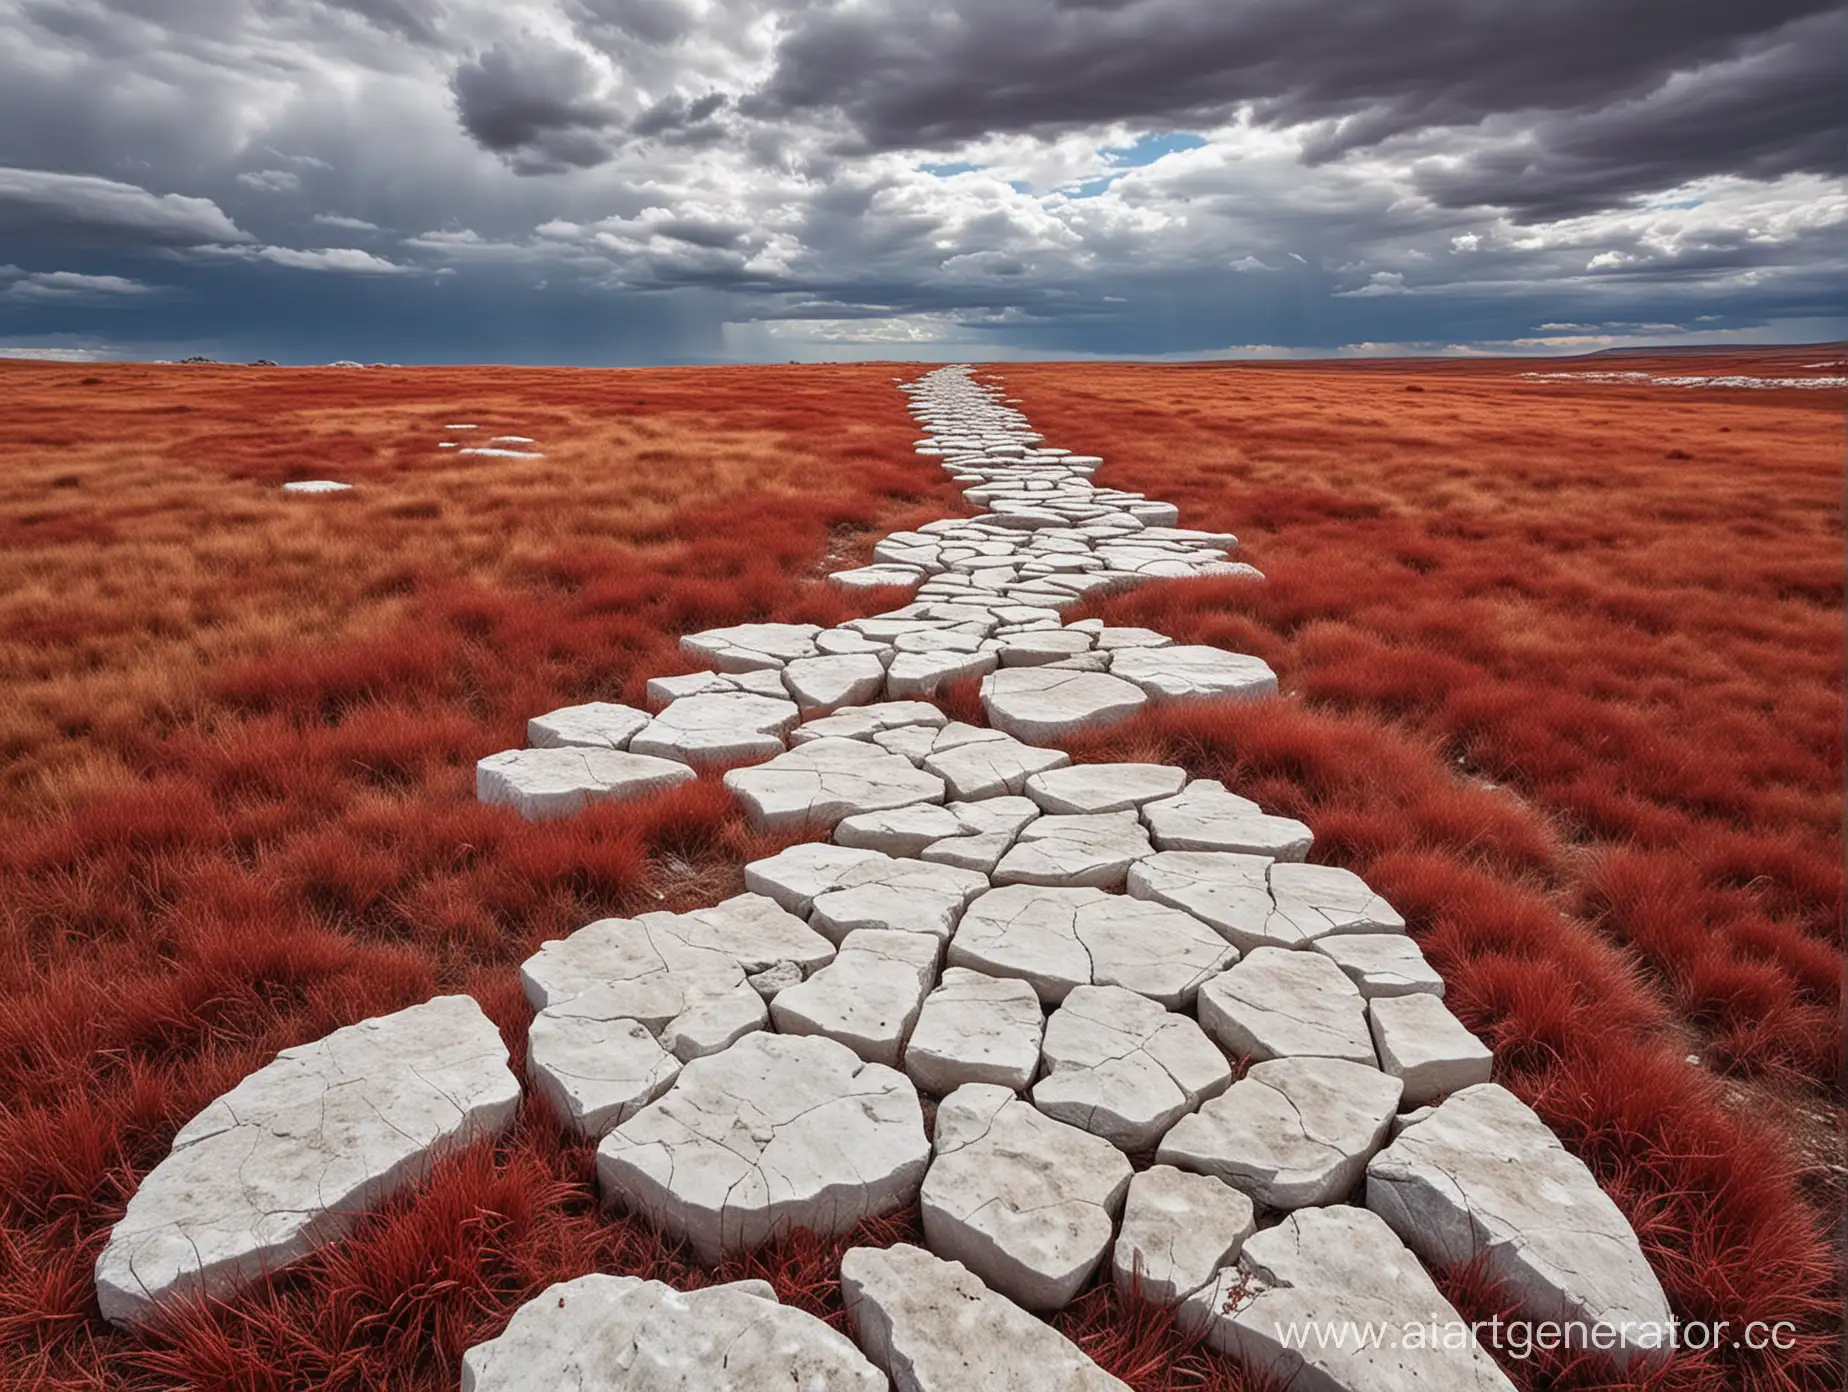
(1562,678)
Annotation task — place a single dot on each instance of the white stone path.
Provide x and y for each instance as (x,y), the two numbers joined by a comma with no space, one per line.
(1085,958)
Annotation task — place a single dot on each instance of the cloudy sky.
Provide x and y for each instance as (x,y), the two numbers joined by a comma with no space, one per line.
(634,181)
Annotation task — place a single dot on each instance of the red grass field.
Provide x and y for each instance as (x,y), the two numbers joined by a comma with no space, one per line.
(1563,678)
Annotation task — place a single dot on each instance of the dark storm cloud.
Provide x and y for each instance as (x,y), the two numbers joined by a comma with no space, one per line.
(537,103)
(907,75)
(417,20)
(39,205)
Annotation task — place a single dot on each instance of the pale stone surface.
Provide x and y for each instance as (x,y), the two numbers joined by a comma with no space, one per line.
(1317,901)
(623,1334)
(913,896)
(754,931)
(1292,1132)
(1421,1043)
(975,1029)
(1483,1178)
(1341,1264)
(778,1132)
(903,831)
(323,485)
(1276,1004)
(1049,645)
(541,784)
(717,727)
(1120,1066)
(753,646)
(989,827)
(1057,938)
(868,997)
(822,685)
(818,783)
(1221,888)
(1096,850)
(1203,816)
(596,1073)
(863,722)
(1177,672)
(1116,639)
(288,1159)
(921,673)
(662,690)
(1103,787)
(596,725)
(772,980)
(794,876)
(1382,964)
(935,1326)
(874,576)
(1047,703)
(1025,1202)
(694,996)
(991,767)
(1179,1230)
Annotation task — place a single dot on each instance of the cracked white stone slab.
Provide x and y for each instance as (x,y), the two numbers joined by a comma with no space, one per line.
(1227,891)
(778,1132)
(1342,1264)
(1056,938)
(863,722)
(1118,639)
(595,725)
(1421,1043)
(1179,1230)
(1277,1004)
(1081,788)
(1291,1133)
(1320,901)
(1481,1178)
(1095,849)
(868,997)
(902,831)
(989,768)
(1124,1068)
(1203,816)
(597,1072)
(796,874)
(623,1334)
(935,1326)
(752,929)
(543,784)
(913,896)
(872,577)
(288,1160)
(1049,703)
(818,783)
(753,646)
(975,1029)
(1027,1203)
(922,673)
(692,995)
(989,828)
(1382,964)
(1048,645)
(717,728)
(822,685)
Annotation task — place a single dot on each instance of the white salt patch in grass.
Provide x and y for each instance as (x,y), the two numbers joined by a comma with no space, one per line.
(511,440)
(316,486)
(503,453)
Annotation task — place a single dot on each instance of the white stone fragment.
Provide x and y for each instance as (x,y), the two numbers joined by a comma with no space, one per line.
(1179,1230)
(1344,1265)
(913,896)
(1226,890)
(623,1334)
(1049,645)
(922,673)
(1096,849)
(1382,964)
(1104,787)
(1117,639)
(662,690)
(1292,1132)
(822,685)
(1317,901)
(1421,1043)
(1049,703)
(778,1132)
(990,767)
(818,783)
(288,1160)
(975,1029)
(1483,1178)
(1203,816)
(868,997)
(319,486)
(1120,1066)
(934,1326)
(596,724)
(863,722)
(754,931)
(1276,1004)
(542,784)
(1025,1202)
(873,577)
(596,1073)
(753,646)
(717,728)
(902,831)
(795,875)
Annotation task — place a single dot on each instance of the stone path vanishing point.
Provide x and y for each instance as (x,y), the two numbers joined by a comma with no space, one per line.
(1069,958)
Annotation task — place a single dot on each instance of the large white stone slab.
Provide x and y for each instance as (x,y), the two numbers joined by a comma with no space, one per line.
(935,1326)
(1049,703)
(595,725)
(290,1158)
(796,874)
(1122,1067)
(1423,1044)
(913,896)
(822,685)
(868,997)
(1228,891)
(717,728)
(623,1334)
(1082,788)
(989,768)
(1339,1265)
(1179,1231)
(1278,1004)
(597,1072)
(1025,1202)
(779,1132)
(1319,901)
(1481,1178)
(863,722)
(1203,816)
(1290,1133)
(1095,849)
(1382,964)
(818,783)
(542,784)
(976,1029)
(1184,671)
(755,931)
(753,646)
